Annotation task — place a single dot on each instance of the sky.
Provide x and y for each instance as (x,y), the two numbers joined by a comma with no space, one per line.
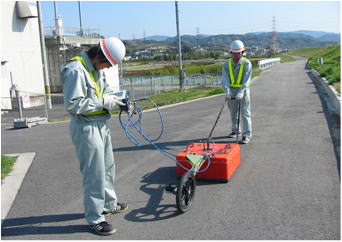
(136,19)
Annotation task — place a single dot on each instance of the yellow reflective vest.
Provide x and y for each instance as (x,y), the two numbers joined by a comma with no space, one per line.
(235,83)
(98,92)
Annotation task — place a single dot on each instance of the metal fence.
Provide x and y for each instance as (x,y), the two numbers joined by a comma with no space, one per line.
(29,105)
(143,86)
(72,31)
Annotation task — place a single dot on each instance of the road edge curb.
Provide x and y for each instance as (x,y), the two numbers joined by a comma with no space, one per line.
(10,185)
(332,99)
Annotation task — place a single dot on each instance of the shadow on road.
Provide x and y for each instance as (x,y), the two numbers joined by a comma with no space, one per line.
(28,225)
(167,145)
(153,185)
(333,121)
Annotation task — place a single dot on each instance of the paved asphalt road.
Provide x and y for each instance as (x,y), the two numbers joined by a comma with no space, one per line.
(287,186)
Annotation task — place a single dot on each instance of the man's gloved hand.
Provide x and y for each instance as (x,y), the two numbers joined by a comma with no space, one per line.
(228,95)
(110,101)
(239,96)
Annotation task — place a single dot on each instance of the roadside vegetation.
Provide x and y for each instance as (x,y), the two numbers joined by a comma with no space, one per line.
(331,67)
(6,165)
(210,66)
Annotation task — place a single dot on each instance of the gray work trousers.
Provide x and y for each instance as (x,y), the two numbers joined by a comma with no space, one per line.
(245,108)
(93,145)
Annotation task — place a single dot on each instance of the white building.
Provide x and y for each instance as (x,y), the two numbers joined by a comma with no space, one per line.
(21,55)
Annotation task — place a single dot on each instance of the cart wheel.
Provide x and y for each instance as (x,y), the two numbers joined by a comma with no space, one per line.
(186,192)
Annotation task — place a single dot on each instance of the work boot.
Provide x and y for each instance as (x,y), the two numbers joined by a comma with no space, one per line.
(120,208)
(233,135)
(103,228)
(245,140)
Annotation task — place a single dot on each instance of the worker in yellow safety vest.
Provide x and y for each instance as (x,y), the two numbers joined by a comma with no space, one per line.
(88,99)
(236,78)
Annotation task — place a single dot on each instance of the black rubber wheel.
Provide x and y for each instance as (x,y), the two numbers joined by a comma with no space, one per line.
(186,192)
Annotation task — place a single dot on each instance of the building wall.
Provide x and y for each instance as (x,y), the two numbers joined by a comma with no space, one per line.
(20,47)
(21,55)
(61,49)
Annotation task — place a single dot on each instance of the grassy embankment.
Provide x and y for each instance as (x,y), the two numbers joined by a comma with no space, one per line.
(6,165)
(204,67)
(331,69)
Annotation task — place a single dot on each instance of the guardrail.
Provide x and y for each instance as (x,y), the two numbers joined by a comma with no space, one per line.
(264,64)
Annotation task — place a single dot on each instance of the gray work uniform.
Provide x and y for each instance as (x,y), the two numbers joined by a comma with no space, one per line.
(91,137)
(245,102)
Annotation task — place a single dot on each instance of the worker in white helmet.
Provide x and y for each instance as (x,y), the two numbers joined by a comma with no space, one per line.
(236,78)
(88,99)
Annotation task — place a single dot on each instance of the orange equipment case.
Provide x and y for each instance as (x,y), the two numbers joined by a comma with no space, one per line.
(223,163)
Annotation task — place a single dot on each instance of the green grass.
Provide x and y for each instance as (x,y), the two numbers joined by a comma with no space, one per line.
(174,96)
(6,165)
(310,52)
(256,73)
(285,58)
(331,69)
(203,69)
(190,69)
(173,70)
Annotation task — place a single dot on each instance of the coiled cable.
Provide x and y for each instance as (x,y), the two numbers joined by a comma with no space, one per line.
(136,123)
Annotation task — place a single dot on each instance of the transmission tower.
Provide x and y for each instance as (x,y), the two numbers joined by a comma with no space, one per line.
(197,36)
(274,36)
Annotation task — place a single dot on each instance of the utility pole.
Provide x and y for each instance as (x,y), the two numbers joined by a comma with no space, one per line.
(80,16)
(55,8)
(44,59)
(180,64)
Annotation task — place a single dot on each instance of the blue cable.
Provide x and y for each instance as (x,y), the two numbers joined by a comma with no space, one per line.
(137,125)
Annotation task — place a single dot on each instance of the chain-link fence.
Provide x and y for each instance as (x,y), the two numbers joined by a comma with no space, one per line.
(29,105)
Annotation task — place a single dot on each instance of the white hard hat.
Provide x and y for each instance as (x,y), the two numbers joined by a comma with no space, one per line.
(113,49)
(237,46)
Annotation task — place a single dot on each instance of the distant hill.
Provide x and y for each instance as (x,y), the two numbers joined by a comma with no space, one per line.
(320,35)
(314,34)
(331,37)
(164,37)
(286,40)
(157,37)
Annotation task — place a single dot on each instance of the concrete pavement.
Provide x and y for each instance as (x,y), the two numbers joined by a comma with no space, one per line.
(287,186)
